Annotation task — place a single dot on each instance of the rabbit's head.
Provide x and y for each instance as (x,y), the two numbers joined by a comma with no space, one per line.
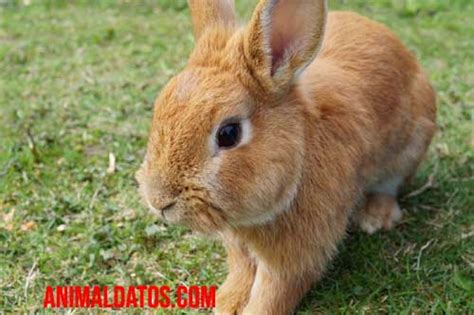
(227,141)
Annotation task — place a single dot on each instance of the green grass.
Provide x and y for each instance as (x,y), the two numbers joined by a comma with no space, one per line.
(77,82)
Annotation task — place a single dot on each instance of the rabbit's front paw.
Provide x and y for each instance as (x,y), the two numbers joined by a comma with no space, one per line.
(234,293)
(230,301)
(379,211)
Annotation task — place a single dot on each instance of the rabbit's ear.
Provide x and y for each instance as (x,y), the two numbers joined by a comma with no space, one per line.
(284,36)
(205,13)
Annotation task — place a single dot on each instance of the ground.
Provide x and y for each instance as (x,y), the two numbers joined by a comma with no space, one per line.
(77,83)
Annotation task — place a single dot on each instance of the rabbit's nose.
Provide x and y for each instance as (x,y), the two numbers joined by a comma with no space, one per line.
(167,207)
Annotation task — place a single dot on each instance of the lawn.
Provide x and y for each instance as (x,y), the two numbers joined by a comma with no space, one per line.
(77,83)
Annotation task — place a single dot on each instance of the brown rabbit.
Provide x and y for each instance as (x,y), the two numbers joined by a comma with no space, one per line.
(276,151)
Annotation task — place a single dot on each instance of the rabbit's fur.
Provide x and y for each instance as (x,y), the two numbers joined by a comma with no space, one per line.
(326,141)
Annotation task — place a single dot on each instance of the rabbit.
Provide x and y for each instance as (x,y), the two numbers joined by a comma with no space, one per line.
(278,135)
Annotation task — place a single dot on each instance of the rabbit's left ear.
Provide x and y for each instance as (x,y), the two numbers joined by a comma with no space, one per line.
(208,13)
(284,36)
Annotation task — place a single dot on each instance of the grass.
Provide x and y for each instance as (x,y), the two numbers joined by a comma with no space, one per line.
(77,82)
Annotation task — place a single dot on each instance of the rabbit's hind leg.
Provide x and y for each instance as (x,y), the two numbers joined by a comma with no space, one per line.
(380,208)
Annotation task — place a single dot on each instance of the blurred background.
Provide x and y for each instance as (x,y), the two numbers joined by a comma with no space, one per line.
(77,84)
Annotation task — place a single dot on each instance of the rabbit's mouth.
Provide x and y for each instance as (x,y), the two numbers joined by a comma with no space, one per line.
(194,213)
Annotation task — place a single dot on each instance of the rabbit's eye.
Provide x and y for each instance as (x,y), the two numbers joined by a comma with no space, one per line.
(229,135)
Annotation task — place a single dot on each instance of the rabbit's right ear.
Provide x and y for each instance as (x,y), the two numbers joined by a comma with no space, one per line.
(206,13)
(282,39)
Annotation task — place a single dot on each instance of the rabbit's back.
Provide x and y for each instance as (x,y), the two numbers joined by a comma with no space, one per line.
(364,78)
